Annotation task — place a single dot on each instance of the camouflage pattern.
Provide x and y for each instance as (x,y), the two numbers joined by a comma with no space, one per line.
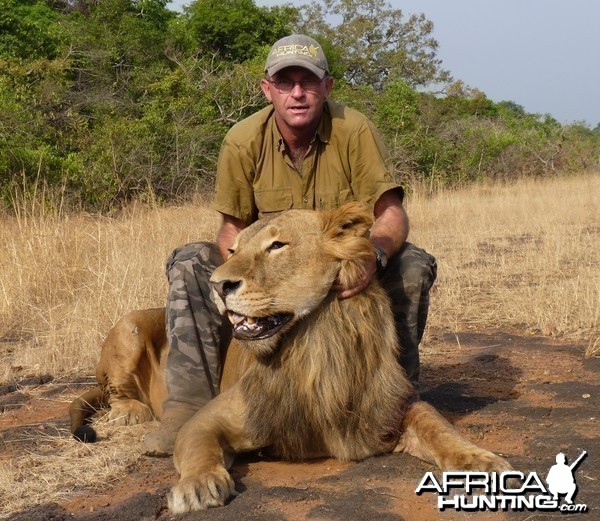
(196,331)
(407,278)
(198,334)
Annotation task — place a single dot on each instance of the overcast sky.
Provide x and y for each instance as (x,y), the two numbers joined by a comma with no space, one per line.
(541,54)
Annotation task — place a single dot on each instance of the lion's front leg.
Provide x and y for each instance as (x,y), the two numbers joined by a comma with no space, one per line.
(430,437)
(128,411)
(204,451)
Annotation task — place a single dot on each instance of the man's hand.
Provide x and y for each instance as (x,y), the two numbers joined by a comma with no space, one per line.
(370,270)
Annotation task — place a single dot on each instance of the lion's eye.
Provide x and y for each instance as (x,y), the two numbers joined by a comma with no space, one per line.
(276,245)
(231,252)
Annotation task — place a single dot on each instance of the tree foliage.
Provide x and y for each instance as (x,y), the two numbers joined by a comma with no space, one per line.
(236,30)
(28,30)
(119,99)
(376,43)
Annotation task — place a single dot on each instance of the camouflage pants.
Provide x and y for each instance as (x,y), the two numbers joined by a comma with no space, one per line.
(198,334)
(407,278)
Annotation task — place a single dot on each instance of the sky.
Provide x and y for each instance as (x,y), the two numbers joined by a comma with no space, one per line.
(541,54)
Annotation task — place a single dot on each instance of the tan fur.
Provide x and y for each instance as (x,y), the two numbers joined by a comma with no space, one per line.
(327,383)
(130,374)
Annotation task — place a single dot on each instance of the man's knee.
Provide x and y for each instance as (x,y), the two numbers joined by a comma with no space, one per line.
(413,268)
(198,254)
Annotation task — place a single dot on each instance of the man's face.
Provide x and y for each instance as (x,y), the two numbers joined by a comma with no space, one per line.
(301,107)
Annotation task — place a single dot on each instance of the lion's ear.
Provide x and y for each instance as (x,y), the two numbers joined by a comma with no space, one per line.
(352,219)
(345,233)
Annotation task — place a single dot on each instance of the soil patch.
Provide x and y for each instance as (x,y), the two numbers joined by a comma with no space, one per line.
(525,397)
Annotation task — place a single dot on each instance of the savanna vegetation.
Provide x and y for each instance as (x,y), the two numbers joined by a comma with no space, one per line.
(511,256)
(104,102)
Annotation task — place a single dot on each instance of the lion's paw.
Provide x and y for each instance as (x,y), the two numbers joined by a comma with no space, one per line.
(475,459)
(129,412)
(211,489)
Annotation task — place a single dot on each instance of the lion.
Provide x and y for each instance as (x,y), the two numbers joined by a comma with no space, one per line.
(307,374)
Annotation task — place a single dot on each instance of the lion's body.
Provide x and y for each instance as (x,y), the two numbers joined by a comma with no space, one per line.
(308,374)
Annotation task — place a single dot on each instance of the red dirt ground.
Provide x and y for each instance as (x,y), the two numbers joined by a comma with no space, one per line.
(526,398)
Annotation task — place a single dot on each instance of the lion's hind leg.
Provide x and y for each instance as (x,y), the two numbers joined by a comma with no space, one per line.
(430,437)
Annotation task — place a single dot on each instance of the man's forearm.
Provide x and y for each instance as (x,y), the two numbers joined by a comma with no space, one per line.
(390,229)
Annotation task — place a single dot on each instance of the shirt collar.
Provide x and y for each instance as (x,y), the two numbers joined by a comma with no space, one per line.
(324,129)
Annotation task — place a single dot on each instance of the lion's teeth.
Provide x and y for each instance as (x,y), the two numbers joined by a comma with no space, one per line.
(235,318)
(250,321)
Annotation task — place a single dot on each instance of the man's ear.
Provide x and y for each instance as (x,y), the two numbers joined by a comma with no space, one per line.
(329,81)
(345,237)
(266,88)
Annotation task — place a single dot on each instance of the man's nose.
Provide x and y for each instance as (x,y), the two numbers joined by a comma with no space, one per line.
(298,91)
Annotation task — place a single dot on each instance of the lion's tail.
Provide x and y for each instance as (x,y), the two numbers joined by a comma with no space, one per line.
(82,408)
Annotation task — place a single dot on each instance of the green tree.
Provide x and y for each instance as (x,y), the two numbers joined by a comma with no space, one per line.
(236,30)
(375,43)
(118,46)
(28,30)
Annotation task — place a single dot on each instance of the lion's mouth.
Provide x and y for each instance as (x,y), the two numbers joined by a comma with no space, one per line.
(257,328)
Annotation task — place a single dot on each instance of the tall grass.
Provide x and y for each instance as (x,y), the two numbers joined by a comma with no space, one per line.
(66,278)
(524,255)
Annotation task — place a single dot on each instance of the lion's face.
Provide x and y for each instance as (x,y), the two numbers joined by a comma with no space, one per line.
(282,269)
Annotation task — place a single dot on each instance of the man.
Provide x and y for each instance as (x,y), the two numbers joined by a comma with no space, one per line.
(302,151)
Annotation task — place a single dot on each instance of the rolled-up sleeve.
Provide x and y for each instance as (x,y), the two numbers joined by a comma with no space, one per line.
(234,194)
(370,165)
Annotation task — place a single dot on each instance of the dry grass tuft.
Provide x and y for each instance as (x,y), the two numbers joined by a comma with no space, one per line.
(50,466)
(65,279)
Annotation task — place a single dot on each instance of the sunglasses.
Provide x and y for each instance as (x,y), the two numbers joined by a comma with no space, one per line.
(286,85)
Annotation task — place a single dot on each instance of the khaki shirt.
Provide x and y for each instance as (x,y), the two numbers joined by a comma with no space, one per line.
(347,161)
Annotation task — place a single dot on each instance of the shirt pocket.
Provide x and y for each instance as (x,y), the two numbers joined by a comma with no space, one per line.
(271,201)
(331,201)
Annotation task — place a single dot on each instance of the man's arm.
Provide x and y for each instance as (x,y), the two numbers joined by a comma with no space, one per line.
(390,229)
(226,235)
(389,232)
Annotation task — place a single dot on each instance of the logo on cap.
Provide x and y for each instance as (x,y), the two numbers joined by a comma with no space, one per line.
(303,50)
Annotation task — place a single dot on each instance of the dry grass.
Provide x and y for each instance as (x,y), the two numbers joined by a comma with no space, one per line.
(40,467)
(524,256)
(65,279)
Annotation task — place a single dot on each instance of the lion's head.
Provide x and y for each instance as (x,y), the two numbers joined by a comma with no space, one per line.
(282,268)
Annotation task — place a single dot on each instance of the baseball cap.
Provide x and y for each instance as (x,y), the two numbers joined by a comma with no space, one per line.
(297,50)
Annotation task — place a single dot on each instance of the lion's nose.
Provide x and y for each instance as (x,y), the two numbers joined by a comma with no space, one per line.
(225,287)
